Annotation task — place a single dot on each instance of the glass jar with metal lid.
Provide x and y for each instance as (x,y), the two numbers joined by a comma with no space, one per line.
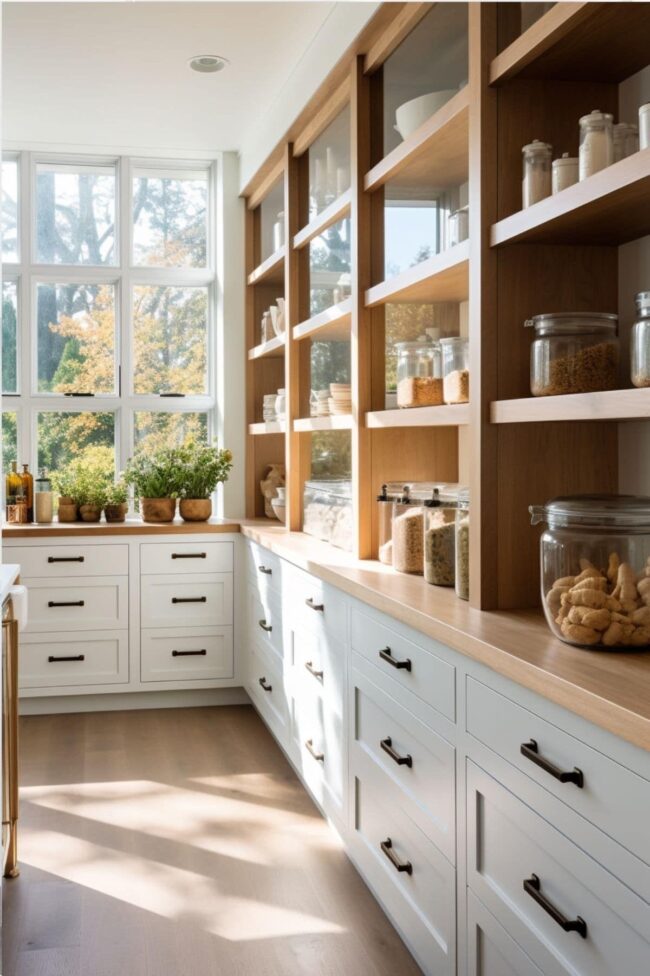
(440,535)
(419,373)
(573,352)
(595,569)
(640,343)
(536,179)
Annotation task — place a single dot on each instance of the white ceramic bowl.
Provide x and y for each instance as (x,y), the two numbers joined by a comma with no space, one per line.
(412,114)
(279,508)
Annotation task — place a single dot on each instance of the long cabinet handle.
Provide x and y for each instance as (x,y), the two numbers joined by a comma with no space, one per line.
(387,848)
(66,559)
(73,657)
(387,746)
(265,570)
(530,751)
(69,603)
(314,606)
(265,685)
(189,555)
(189,599)
(201,653)
(265,627)
(532,887)
(312,670)
(387,655)
(318,756)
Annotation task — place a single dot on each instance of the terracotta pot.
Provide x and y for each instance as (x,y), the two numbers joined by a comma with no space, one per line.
(67,509)
(116,513)
(158,509)
(90,513)
(196,509)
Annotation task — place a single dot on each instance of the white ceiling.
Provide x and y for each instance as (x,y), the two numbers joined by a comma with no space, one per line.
(114,76)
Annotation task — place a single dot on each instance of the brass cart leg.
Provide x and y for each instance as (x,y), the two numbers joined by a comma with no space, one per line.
(11,869)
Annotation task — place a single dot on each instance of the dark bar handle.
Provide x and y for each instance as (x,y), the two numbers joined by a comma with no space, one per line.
(171,394)
(387,746)
(318,756)
(530,751)
(532,887)
(386,655)
(314,606)
(189,599)
(263,682)
(70,603)
(78,657)
(312,670)
(82,394)
(66,559)
(201,653)
(189,555)
(387,848)
(266,627)
(265,570)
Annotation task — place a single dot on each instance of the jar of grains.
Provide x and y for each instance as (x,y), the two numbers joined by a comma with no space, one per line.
(440,536)
(455,369)
(536,182)
(573,352)
(419,373)
(596,142)
(391,495)
(408,553)
(462,546)
(640,344)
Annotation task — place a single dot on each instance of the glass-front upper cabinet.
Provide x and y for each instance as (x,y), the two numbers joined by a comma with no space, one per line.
(329,164)
(271,221)
(425,71)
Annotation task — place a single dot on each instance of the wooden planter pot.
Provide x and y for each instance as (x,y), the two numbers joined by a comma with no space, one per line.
(116,513)
(68,511)
(196,509)
(158,509)
(90,513)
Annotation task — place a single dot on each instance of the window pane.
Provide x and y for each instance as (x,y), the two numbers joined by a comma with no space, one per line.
(9,440)
(170,220)
(9,334)
(75,214)
(76,338)
(65,436)
(170,338)
(329,267)
(10,210)
(154,430)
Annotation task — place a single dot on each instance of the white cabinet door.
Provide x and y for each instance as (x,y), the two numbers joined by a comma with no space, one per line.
(491,951)
(98,603)
(63,562)
(265,685)
(73,660)
(165,558)
(199,655)
(264,613)
(187,601)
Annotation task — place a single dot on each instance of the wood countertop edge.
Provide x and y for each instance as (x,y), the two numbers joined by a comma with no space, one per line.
(62,530)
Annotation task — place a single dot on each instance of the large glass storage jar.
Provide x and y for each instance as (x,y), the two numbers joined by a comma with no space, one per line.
(573,352)
(595,569)
(440,537)
(408,551)
(419,373)
(640,345)
(536,181)
(455,370)
(596,143)
(327,507)
(462,546)
(390,495)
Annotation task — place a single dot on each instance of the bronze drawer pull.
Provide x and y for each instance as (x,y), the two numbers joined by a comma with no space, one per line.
(70,603)
(386,655)
(66,559)
(201,653)
(530,751)
(263,682)
(75,657)
(532,887)
(189,555)
(266,627)
(318,756)
(387,848)
(387,746)
(265,570)
(312,670)
(314,606)
(189,599)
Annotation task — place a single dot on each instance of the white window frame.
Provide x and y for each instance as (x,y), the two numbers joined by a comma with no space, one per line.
(28,402)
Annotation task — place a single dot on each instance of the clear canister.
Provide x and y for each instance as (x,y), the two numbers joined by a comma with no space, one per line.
(419,373)
(644,126)
(440,537)
(391,496)
(43,498)
(626,140)
(596,142)
(565,172)
(640,342)
(536,181)
(573,352)
(462,547)
(455,369)
(407,537)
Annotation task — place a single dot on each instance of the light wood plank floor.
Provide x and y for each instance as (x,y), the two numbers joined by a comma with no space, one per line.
(180,843)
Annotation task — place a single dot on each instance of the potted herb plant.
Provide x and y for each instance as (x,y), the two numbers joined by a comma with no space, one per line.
(155,478)
(90,493)
(116,505)
(63,483)
(202,468)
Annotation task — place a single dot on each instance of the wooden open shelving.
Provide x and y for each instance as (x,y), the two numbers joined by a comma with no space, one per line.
(342,421)
(609,405)
(338,209)
(448,415)
(441,278)
(270,271)
(332,323)
(274,347)
(267,427)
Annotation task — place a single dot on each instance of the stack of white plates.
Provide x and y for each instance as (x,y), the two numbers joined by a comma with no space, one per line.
(340,399)
(321,403)
(268,407)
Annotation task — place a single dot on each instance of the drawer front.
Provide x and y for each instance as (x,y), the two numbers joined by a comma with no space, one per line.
(70,660)
(197,656)
(318,665)
(491,951)
(319,740)
(263,566)
(420,901)
(523,869)
(63,605)
(313,605)
(419,761)
(411,666)
(176,601)
(612,797)
(162,558)
(63,562)
(266,688)
(264,618)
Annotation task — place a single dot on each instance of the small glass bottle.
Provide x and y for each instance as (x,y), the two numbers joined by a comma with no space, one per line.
(28,491)
(640,343)
(596,143)
(43,498)
(536,183)
(281,404)
(455,369)
(13,487)
(462,548)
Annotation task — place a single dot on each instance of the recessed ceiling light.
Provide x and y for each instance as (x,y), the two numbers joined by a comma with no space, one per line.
(207,63)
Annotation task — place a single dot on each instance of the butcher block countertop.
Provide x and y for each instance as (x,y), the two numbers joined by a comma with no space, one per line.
(132,526)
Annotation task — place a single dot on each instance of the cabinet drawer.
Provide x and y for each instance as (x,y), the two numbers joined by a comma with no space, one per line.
(313,605)
(69,660)
(420,900)
(198,656)
(160,558)
(318,734)
(63,562)
(419,761)
(62,605)
(523,869)
(263,566)
(264,614)
(266,688)
(176,601)
(317,666)
(491,951)
(612,797)
(409,665)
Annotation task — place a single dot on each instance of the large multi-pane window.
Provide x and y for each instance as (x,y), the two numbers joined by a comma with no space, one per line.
(107,306)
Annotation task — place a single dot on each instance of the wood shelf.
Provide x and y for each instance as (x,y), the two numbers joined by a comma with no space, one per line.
(436,154)
(609,405)
(332,323)
(579,41)
(274,347)
(341,421)
(610,208)
(442,278)
(448,415)
(268,427)
(270,271)
(338,209)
